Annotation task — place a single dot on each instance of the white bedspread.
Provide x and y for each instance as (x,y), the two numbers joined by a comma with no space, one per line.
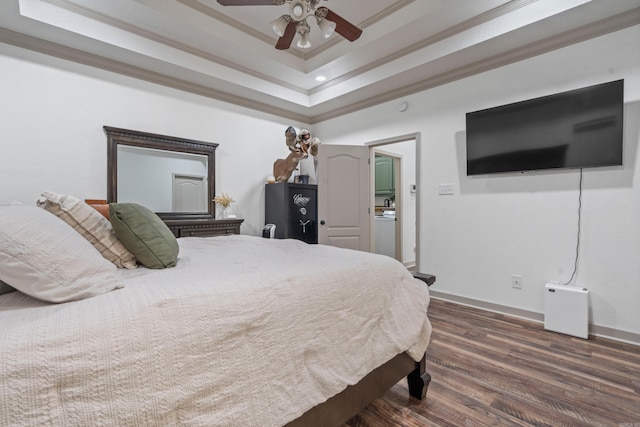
(244,331)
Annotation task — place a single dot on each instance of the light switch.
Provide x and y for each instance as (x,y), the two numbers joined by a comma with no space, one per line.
(444,189)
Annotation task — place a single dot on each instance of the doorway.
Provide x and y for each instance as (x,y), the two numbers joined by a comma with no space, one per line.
(189,193)
(404,152)
(387,220)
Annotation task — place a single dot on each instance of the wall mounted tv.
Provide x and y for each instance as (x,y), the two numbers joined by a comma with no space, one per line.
(574,129)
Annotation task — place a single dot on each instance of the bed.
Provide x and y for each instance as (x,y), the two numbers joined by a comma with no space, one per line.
(241,331)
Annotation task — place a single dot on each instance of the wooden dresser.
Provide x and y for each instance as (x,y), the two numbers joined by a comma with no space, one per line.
(204,228)
(197,220)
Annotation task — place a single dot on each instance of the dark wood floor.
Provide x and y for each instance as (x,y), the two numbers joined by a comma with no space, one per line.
(491,369)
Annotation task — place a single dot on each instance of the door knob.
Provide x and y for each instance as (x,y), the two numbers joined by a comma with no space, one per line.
(322,222)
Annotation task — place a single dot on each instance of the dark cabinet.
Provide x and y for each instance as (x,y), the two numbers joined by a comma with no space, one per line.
(293,209)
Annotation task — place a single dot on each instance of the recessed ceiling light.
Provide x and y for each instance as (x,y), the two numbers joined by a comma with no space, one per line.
(320,78)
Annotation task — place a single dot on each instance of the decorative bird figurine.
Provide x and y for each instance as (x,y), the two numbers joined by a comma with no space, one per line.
(301,146)
(304,136)
(313,146)
(291,138)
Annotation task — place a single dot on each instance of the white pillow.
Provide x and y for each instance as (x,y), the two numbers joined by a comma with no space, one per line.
(42,256)
(91,225)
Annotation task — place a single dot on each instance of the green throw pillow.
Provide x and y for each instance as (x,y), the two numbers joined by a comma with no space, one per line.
(144,234)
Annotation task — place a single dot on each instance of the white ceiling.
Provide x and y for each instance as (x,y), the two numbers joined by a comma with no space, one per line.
(227,52)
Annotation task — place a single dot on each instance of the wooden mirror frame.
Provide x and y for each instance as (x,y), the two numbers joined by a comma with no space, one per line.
(116,137)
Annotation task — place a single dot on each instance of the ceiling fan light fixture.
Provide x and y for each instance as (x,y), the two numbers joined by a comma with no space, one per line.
(279,25)
(298,10)
(295,22)
(326,27)
(303,30)
(303,42)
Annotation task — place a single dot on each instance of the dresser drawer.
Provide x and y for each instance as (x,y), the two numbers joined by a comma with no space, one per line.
(204,228)
(207,232)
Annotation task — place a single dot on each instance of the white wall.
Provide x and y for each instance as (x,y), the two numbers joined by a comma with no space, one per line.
(497,226)
(51,117)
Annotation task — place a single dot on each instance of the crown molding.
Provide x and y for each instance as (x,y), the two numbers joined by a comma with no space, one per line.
(107,64)
(398,5)
(133,29)
(198,6)
(577,35)
(221,17)
(586,32)
(442,35)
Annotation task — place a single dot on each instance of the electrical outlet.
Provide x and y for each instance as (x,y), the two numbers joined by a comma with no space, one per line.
(444,189)
(516,281)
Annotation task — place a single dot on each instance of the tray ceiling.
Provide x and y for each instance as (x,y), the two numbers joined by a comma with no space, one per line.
(227,52)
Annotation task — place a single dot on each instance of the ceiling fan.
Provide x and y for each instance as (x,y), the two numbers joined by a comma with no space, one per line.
(295,22)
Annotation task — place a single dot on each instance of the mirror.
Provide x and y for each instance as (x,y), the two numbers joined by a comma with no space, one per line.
(177,180)
(174,177)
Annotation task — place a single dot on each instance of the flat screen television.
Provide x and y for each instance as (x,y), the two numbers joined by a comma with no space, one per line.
(574,129)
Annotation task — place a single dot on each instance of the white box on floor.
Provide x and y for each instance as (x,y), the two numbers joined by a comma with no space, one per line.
(566,309)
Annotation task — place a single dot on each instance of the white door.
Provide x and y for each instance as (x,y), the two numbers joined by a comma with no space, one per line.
(343,196)
(189,193)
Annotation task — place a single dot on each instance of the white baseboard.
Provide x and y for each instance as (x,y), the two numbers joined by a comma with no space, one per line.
(596,330)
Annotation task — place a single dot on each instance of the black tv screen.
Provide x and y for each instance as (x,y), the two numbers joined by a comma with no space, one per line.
(574,129)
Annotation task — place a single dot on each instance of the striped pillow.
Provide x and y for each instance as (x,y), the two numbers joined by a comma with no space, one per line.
(91,225)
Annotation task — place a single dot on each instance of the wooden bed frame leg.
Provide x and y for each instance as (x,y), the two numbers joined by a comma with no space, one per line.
(419,380)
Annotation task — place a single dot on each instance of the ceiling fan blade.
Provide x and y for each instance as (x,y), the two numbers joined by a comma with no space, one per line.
(343,27)
(289,33)
(246,2)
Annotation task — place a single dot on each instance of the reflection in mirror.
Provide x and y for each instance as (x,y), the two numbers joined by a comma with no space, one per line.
(163,181)
(174,177)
